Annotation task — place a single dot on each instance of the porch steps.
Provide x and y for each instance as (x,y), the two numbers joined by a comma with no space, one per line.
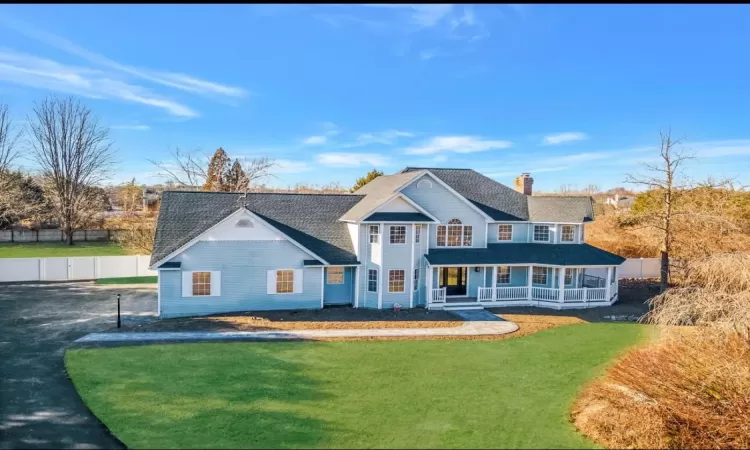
(462,307)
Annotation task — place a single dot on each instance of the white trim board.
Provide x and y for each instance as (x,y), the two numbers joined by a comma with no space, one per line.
(239,211)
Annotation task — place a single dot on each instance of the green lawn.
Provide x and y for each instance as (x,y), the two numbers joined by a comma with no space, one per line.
(53,249)
(509,393)
(126,280)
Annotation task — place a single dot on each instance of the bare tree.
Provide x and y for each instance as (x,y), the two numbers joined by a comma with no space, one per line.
(190,170)
(74,154)
(8,139)
(666,180)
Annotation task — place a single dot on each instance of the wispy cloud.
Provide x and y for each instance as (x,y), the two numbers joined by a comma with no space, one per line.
(457,144)
(286,166)
(28,70)
(131,127)
(561,138)
(387,137)
(343,159)
(315,140)
(171,79)
(106,79)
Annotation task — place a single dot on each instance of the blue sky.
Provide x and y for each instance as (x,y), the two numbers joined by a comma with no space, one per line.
(574,94)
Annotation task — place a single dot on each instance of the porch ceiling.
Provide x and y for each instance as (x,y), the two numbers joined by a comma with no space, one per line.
(549,254)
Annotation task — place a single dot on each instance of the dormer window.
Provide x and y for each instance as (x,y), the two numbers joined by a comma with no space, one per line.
(455,234)
(568,233)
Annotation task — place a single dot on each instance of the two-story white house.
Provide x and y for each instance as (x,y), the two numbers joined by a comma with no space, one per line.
(432,238)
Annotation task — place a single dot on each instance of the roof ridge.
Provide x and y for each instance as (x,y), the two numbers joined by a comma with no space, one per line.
(263,193)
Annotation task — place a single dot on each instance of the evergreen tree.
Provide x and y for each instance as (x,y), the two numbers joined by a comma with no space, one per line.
(218,166)
(235,178)
(371,175)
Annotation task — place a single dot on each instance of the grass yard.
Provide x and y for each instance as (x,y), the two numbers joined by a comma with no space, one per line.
(53,249)
(127,280)
(508,393)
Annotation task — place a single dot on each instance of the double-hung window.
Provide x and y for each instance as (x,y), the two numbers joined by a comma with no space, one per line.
(568,275)
(201,283)
(568,233)
(396,280)
(503,275)
(374,234)
(539,275)
(504,232)
(284,281)
(416,279)
(455,234)
(541,233)
(417,233)
(372,280)
(398,234)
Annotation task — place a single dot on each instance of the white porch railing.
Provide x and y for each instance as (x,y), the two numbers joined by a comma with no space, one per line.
(489,294)
(437,295)
(585,295)
(485,294)
(512,293)
(545,294)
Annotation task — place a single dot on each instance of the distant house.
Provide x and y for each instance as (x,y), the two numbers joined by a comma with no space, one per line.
(423,237)
(622,203)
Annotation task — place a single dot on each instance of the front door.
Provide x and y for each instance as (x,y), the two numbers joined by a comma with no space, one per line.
(453,279)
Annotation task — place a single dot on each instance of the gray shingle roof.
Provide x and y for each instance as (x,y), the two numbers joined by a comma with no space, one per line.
(309,219)
(503,203)
(561,209)
(554,254)
(376,192)
(398,217)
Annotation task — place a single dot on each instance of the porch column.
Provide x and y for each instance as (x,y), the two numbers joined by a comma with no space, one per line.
(561,282)
(493,283)
(356,287)
(607,282)
(528,281)
(429,285)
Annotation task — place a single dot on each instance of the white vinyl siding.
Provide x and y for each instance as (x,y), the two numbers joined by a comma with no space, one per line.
(280,278)
(214,283)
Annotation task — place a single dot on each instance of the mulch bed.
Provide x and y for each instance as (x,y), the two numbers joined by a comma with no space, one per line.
(325,319)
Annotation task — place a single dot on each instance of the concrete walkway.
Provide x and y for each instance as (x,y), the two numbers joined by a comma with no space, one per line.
(478,323)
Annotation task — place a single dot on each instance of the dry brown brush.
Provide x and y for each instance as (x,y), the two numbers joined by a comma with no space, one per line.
(691,388)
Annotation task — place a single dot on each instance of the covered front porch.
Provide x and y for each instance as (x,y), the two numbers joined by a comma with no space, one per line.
(521,285)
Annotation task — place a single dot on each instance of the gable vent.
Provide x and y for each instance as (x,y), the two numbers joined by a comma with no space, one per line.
(424,184)
(244,223)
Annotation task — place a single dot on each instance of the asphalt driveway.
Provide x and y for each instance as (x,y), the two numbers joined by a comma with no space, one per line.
(39,407)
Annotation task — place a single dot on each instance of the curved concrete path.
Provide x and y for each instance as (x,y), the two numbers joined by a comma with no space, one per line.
(478,323)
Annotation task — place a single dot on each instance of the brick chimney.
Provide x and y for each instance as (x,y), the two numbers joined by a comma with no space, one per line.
(523,183)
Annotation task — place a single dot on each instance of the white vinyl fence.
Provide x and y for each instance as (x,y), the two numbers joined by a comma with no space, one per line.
(640,268)
(94,267)
(74,268)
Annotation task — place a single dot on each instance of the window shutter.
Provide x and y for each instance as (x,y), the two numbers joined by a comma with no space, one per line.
(215,283)
(187,284)
(298,281)
(270,282)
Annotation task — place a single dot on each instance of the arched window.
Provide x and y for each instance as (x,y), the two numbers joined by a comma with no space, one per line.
(424,184)
(455,234)
(244,223)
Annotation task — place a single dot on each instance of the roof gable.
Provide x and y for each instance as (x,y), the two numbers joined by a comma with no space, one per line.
(309,219)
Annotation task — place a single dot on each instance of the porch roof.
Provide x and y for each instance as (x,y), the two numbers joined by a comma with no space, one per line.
(551,254)
(408,217)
